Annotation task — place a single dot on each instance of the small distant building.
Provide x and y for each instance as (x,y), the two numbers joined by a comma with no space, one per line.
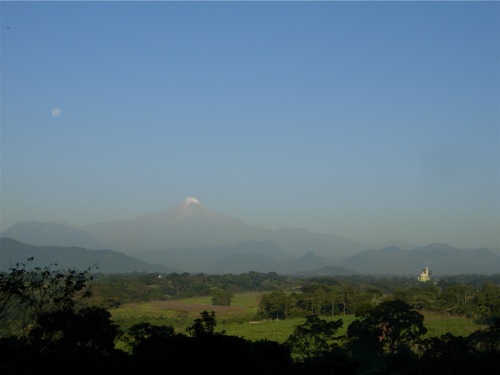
(425,275)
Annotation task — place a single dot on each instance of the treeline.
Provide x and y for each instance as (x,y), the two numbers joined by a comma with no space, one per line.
(474,296)
(111,290)
(48,326)
(480,302)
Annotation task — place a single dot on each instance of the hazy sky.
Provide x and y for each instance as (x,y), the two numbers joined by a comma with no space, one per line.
(368,120)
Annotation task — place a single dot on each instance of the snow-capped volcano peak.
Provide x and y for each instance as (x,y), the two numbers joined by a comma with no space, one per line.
(190,203)
(190,200)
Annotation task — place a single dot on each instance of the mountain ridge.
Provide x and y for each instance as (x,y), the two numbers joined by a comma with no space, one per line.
(189,225)
(50,233)
(442,258)
(194,238)
(247,257)
(72,257)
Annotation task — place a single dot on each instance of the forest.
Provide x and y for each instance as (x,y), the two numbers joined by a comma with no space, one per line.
(58,321)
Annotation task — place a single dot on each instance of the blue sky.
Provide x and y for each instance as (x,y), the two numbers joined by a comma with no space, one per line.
(368,120)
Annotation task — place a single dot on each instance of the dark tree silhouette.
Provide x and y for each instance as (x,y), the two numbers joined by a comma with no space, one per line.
(204,326)
(313,338)
(27,294)
(390,326)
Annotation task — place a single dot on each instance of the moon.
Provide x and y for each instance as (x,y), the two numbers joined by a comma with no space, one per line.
(56,112)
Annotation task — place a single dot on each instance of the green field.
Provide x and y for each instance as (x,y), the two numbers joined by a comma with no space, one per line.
(438,324)
(239,319)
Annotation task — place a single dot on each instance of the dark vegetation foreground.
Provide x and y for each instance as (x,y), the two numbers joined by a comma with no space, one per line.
(48,326)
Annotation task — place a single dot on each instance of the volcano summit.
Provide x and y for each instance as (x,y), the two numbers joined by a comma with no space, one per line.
(190,224)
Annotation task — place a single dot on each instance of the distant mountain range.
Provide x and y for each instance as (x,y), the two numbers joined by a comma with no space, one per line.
(77,258)
(45,234)
(193,238)
(189,225)
(440,258)
(259,257)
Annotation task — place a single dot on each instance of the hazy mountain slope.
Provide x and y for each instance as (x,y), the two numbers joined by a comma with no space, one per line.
(200,259)
(190,237)
(442,259)
(187,225)
(192,225)
(326,271)
(107,261)
(245,262)
(391,260)
(242,263)
(301,241)
(42,234)
(307,262)
(446,259)
(394,243)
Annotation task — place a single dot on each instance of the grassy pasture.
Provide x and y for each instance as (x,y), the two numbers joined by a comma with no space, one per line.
(438,324)
(239,319)
(275,330)
(181,313)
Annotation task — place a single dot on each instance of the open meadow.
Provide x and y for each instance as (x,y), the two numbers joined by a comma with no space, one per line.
(240,319)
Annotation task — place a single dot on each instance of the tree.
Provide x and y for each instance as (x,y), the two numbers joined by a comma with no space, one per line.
(347,293)
(221,297)
(26,295)
(275,305)
(457,299)
(319,298)
(88,328)
(421,295)
(313,338)
(390,326)
(475,354)
(46,326)
(204,326)
(147,338)
(488,302)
